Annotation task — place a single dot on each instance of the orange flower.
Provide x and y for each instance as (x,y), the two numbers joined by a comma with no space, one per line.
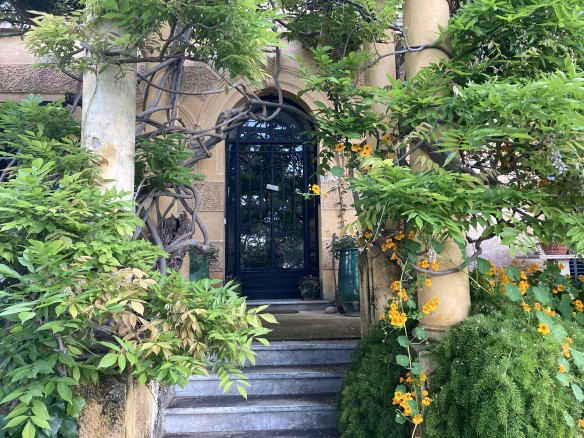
(431,305)
(340,147)
(418,419)
(543,329)
(366,150)
(428,282)
(423,264)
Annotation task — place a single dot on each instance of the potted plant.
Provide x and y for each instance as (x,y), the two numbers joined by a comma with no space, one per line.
(346,250)
(309,287)
(199,262)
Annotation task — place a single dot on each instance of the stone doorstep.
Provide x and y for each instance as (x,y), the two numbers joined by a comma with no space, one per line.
(295,353)
(292,306)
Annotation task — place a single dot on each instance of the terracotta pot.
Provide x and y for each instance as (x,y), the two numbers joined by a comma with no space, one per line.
(555,248)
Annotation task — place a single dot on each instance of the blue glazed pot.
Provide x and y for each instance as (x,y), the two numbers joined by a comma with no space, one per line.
(349,281)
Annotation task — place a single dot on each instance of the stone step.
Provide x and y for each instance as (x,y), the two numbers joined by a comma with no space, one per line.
(265,380)
(289,306)
(298,353)
(300,433)
(257,413)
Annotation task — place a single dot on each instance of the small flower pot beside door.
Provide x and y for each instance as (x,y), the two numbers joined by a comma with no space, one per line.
(348,281)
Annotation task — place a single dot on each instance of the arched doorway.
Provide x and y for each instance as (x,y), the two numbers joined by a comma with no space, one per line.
(271,230)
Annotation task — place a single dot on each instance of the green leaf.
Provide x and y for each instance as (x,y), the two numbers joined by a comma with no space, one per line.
(542,295)
(420,333)
(483,266)
(6,271)
(64,391)
(242,391)
(16,421)
(40,409)
(108,360)
(513,292)
(29,430)
(403,341)
(400,419)
(577,392)
(578,359)
(513,272)
(268,317)
(402,360)
(563,379)
(337,171)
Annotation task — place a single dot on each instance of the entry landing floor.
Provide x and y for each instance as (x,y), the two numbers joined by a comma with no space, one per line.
(314,325)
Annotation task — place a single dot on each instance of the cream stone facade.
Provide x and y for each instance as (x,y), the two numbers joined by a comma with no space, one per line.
(19,77)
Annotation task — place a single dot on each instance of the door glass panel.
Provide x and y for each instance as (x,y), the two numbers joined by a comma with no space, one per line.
(254,207)
(289,218)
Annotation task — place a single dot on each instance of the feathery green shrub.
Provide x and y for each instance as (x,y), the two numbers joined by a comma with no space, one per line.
(364,408)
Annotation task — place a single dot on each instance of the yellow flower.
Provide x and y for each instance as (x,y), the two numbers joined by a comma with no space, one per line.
(523,275)
(418,419)
(355,148)
(403,294)
(397,318)
(423,378)
(431,305)
(340,147)
(523,285)
(412,236)
(426,401)
(548,311)
(560,287)
(581,423)
(423,264)
(367,234)
(399,236)
(428,282)
(366,150)
(315,189)
(386,138)
(581,278)
(562,369)
(537,306)
(526,307)
(396,285)
(434,265)
(543,329)
(578,305)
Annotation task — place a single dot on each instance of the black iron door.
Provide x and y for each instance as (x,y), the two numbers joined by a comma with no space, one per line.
(271,230)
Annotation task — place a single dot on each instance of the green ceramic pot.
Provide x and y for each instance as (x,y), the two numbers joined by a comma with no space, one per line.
(349,281)
(198,265)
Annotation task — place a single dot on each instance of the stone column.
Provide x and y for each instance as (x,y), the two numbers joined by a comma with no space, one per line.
(375,272)
(422,22)
(109,122)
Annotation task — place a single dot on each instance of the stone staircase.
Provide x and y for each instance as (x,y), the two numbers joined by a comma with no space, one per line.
(293,392)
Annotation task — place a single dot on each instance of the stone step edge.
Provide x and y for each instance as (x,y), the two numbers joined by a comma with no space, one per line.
(261,404)
(266,372)
(276,433)
(305,345)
